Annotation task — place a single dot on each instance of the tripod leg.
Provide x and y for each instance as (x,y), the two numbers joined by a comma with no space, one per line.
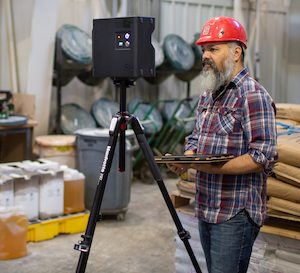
(85,245)
(183,234)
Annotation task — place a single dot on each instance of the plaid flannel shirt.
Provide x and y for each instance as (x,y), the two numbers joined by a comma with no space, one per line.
(241,121)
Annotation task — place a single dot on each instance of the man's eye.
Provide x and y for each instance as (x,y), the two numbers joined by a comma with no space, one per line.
(212,49)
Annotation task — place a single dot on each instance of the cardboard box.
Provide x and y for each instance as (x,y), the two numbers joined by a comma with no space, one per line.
(24,104)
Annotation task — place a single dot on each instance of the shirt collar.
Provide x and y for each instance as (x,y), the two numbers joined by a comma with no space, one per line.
(234,83)
(240,77)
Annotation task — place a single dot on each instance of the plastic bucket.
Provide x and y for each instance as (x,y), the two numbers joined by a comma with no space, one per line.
(91,149)
(58,148)
(13,233)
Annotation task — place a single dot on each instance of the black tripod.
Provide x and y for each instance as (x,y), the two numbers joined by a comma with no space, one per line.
(118,126)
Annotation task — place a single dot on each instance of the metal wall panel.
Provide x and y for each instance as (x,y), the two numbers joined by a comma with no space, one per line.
(273,41)
(185,18)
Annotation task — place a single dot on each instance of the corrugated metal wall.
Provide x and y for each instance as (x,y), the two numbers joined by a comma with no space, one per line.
(273,46)
(183,17)
(186,17)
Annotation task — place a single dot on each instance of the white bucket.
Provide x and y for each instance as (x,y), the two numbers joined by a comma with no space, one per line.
(51,194)
(6,190)
(58,148)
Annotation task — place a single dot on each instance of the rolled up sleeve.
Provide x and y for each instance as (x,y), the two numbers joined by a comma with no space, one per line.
(260,129)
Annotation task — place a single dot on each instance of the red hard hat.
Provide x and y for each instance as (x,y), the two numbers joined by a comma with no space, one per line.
(222,29)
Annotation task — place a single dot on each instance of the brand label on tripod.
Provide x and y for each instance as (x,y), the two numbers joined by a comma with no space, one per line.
(104,161)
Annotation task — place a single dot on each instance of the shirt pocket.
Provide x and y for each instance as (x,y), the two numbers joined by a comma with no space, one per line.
(227,121)
(203,120)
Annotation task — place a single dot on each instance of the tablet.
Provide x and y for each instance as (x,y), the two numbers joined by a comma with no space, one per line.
(197,158)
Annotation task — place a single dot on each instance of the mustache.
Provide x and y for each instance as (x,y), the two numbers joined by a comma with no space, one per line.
(208,62)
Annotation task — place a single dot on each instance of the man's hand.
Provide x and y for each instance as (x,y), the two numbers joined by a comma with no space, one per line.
(178,168)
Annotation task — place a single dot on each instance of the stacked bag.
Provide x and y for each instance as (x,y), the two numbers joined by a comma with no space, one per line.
(287,118)
(186,185)
(273,253)
(283,188)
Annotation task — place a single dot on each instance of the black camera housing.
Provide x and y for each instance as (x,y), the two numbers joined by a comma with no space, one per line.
(122,47)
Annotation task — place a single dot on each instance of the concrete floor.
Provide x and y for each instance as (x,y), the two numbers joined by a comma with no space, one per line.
(143,242)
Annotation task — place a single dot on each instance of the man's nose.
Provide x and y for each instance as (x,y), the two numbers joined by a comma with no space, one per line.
(205,55)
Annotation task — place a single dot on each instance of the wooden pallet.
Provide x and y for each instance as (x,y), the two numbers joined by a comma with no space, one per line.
(282,224)
(282,227)
(181,199)
(184,195)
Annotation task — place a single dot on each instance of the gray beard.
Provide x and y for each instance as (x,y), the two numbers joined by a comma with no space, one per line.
(211,79)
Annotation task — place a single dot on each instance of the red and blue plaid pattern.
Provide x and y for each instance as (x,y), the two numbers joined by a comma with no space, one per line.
(241,121)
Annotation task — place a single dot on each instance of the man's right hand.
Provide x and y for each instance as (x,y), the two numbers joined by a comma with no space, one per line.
(178,168)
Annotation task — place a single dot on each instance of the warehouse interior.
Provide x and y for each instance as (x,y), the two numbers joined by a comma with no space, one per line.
(57,114)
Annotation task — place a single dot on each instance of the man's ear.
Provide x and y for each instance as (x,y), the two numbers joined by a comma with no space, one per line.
(238,51)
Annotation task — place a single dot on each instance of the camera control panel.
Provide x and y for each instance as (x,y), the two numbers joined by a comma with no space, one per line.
(123,40)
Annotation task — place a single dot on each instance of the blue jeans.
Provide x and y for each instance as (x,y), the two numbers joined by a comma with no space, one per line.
(227,246)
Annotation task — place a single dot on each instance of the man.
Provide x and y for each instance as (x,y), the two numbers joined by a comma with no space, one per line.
(235,115)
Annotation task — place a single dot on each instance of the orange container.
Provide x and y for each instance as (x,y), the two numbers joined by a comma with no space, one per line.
(13,233)
(74,196)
